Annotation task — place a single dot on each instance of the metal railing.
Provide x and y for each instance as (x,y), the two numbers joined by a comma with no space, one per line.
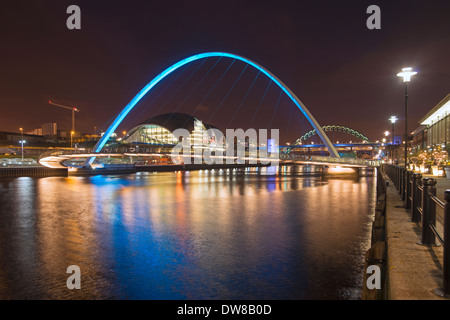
(419,196)
(327,159)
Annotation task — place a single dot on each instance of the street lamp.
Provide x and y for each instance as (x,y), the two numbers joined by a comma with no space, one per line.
(22,142)
(71,139)
(406,74)
(384,145)
(21,131)
(386,142)
(393,120)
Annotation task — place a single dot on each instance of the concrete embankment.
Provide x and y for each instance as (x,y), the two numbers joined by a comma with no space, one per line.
(411,271)
(34,172)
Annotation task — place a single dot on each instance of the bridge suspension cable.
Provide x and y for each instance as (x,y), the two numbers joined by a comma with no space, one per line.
(243,99)
(155,99)
(260,102)
(226,95)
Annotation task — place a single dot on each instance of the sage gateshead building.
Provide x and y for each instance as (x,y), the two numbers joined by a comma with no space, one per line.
(159,130)
(435,127)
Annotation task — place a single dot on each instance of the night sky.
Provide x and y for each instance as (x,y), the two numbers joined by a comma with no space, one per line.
(322,50)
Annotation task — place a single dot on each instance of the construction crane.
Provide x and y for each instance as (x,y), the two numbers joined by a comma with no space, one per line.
(70,108)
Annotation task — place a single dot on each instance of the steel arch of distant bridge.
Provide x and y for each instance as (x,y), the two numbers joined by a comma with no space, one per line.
(100,144)
(331,128)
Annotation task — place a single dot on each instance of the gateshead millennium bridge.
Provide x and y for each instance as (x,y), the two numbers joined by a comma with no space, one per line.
(57,159)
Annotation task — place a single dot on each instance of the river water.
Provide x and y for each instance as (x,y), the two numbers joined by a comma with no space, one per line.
(185,235)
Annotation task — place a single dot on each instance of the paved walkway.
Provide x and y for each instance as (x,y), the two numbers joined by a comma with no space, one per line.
(413,271)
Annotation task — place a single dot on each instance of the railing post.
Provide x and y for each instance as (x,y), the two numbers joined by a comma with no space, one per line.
(394,173)
(408,189)
(405,191)
(429,211)
(402,190)
(405,186)
(397,170)
(395,177)
(446,266)
(416,193)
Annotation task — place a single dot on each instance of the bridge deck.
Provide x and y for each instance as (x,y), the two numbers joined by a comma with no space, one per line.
(286,159)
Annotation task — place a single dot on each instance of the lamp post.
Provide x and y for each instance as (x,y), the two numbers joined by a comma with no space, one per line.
(406,74)
(21,141)
(386,142)
(71,139)
(393,120)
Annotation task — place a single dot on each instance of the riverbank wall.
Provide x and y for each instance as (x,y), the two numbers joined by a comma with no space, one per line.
(34,172)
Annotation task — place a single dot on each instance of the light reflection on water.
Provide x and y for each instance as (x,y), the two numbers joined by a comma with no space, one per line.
(185,235)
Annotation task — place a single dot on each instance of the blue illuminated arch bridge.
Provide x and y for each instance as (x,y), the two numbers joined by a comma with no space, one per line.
(100,144)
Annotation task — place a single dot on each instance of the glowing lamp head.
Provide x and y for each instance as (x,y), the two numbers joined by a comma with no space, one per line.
(386,133)
(393,119)
(406,74)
